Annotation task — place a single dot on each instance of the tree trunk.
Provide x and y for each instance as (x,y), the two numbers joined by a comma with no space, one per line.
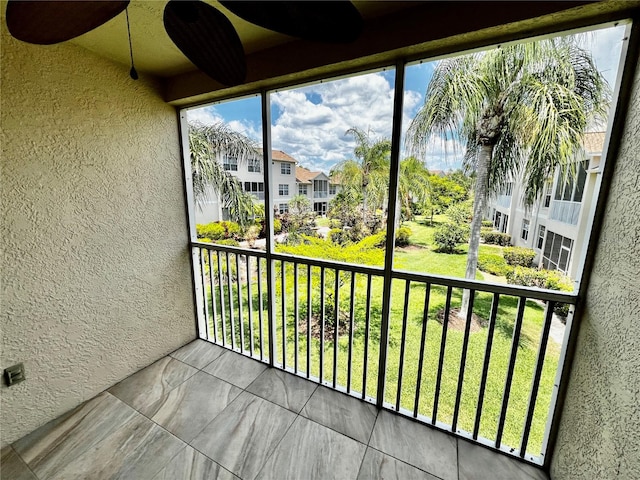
(481,191)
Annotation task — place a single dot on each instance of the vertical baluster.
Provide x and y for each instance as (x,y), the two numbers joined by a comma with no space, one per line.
(230,298)
(260,308)
(336,326)
(214,310)
(463,360)
(537,375)
(223,316)
(423,339)
(443,344)
(366,336)
(487,359)
(321,322)
(309,306)
(239,294)
(283,270)
(295,317)
(204,293)
(351,318)
(512,363)
(405,312)
(250,298)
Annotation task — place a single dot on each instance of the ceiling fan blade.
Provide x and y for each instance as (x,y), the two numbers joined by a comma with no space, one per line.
(322,21)
(49,22)
(207,38)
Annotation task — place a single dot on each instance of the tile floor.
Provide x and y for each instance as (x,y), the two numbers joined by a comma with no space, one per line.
(204,412)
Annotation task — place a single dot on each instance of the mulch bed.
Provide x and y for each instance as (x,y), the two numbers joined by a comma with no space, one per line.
(458,323)
(315,329)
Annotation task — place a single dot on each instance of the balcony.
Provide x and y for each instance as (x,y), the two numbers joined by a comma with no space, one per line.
(565,211)
(213,411)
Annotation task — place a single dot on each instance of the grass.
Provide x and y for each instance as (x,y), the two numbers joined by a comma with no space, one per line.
(410,328)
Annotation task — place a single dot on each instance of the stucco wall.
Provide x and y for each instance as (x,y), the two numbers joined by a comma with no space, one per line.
(95,269)
(599,432)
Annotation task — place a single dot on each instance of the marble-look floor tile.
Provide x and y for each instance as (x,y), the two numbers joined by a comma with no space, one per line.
(190,464)
(198,353)
(189,407)
(309,450)
(423,447)
(478,462)
(235,368)
(379,465)
(52,446)
(152,383)
(347,415)
(138,450)
(12,467)
(244,434)
(283,388)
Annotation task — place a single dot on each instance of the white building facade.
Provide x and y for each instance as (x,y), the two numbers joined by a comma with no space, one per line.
(288,180)
(556,225)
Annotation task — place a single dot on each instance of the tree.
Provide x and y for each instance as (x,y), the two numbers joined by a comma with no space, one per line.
(208,144)
(521,111)
(413,185)
(368,176)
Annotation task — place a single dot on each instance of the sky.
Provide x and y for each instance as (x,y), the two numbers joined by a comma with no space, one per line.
(310,122)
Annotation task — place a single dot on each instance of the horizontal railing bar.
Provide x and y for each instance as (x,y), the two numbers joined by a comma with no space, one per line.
(532,293)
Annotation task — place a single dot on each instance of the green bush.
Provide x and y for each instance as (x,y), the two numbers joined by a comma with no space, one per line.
(212,231)
(519,256)
(231,230)
(448,236)
(460,213)
(277,226)
(402,236)
(339,236)
(496,238)
(549,279)
(487,224)
(494,264)
(335,223)
(228,241)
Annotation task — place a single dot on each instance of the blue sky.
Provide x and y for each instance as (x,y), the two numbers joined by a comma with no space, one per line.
(309,122)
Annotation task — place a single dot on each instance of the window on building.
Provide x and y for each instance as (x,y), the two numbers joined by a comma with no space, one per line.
(302,189)
(283,189)
(230,164)
(541,231)
(571,188)
(496,220)
(255,188)
(255,165)
(285,168)
(505,223)
(332,189)
(283,208)
(525,230)
(557,252)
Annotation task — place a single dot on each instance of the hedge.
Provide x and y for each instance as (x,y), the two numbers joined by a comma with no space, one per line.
(496,238)
(494,264)
(519,256)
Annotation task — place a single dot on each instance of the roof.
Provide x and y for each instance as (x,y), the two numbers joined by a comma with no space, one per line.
(280,156)
(304,175)
(593,142)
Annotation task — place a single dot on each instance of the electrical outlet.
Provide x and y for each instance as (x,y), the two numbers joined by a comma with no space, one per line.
(14,374)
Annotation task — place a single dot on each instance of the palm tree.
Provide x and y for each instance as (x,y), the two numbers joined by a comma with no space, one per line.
(208,144)
(369,174)
(413,183)
(521,111)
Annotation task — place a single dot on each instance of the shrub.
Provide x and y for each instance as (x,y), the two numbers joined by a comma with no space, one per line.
(549,279)
(448,236)
(212,231)
(339,236)
(231,230)
(496,238)
(252,235)
(402,236)
(335,223)
(228,241)
(493,263)
(519,256)
(460,213)
(487,224)
(277,226)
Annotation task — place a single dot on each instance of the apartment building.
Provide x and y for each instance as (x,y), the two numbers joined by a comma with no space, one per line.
(289,180)
(556,224)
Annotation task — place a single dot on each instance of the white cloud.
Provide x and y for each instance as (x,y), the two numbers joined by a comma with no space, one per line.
(313,120)
(205,116)
(606,46)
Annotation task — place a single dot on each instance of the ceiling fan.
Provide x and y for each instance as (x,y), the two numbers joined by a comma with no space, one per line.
(201,32)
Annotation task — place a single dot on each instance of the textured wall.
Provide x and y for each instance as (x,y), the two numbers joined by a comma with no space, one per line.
(95,269)
(599,432)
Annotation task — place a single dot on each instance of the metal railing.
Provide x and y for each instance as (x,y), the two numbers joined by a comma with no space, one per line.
(473,377)
(565,211)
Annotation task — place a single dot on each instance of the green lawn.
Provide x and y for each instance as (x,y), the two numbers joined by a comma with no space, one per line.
(419,257)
